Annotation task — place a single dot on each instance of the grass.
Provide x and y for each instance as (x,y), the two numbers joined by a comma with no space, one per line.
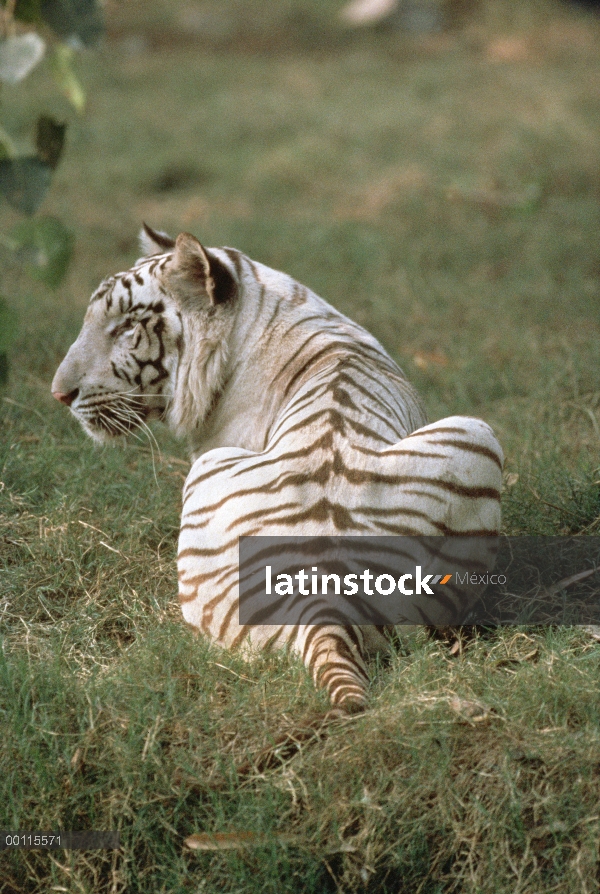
(444,191)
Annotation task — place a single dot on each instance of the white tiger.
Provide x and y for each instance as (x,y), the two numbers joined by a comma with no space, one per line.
(298,422)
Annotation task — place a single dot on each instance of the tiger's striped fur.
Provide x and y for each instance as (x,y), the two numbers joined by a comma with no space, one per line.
(298,423)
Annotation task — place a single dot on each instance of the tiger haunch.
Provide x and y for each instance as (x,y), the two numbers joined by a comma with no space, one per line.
(298,422)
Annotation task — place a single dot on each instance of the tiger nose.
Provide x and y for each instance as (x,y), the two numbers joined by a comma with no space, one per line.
(65,398)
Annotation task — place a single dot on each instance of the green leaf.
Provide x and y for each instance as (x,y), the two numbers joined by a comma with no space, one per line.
(47,246)
(81,20)
(65,77)
(3,368)
(24,182)
(28,11)
(8,325)
(19,55)
(49,140)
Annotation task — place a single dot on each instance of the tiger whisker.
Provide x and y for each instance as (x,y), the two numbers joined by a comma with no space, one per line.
(112,424)
(150,435)
(119,413)
(115,420)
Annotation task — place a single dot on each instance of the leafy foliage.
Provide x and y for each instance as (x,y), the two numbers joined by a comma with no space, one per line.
(19,55)
(69,19)
(65,77)
(27,10)
(49,140)
(80,19)
(45,245)
(24,182)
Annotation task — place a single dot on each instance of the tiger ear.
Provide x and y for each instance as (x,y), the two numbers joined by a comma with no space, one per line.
(154,242)
(190,274)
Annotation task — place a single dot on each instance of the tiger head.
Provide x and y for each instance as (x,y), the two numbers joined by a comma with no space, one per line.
(153,342)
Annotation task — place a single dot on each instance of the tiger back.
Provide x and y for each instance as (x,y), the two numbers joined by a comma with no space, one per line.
(298,422)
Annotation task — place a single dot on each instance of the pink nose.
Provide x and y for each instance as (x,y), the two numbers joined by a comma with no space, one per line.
(64,398)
